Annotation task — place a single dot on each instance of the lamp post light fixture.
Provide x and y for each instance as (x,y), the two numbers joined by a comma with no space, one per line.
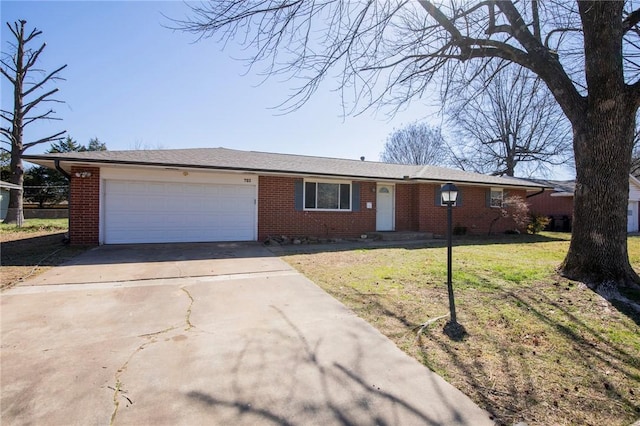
(449,195)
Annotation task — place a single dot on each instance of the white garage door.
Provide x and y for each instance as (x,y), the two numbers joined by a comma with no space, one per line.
(158,212)
(632,217)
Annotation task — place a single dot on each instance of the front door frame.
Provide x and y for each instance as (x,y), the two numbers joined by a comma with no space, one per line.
(380,225)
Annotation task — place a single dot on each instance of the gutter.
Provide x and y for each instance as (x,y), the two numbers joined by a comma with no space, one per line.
(56,163)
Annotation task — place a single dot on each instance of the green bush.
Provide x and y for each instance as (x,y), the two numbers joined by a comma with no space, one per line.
(537,223)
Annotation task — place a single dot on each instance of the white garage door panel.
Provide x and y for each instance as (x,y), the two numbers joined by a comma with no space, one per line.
(150,212)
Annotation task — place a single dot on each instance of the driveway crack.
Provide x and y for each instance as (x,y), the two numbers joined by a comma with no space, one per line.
(189,325)
(118,391)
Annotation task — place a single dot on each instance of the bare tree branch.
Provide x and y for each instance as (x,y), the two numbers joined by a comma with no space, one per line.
(23,61)
(631,20)
(50,76)
(55,137)
(513,125)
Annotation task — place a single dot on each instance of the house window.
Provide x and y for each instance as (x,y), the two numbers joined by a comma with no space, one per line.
(496,198)
(327,196)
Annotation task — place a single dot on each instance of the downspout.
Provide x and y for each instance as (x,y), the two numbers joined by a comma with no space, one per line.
(56,163)
(61,170)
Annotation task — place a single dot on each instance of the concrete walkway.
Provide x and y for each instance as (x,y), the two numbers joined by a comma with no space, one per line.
(240,339)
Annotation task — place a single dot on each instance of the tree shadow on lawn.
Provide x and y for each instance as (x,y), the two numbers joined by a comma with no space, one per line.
(529,356)
(38,250)
(570,368)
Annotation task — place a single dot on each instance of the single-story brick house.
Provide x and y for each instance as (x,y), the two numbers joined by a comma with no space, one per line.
(557,203)
(218,194)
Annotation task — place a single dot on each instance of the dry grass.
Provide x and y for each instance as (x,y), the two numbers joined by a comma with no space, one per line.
(539,349)
(32,249)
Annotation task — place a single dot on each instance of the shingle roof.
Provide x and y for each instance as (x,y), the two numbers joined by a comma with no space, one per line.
(568,186)
(230,159)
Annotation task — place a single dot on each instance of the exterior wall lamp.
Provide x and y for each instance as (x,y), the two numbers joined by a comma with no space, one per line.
(83,174)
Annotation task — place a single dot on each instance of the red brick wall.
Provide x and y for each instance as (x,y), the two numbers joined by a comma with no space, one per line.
(472,214)
(547,205)
(406,208)
(416,210)
(277,214)
(84,211)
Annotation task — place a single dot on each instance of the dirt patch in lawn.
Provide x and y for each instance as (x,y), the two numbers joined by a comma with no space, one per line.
(29,253)
(540,349)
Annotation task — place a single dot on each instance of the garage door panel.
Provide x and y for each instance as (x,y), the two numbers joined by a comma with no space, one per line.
(139,212)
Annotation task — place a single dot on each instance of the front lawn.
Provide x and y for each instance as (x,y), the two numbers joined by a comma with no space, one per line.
(540,348)
(32,249)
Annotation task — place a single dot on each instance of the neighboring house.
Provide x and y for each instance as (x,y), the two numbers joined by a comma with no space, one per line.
(557,203)
(5,189)
(218,194)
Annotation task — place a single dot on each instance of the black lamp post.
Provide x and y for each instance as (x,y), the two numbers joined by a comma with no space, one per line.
(449,196)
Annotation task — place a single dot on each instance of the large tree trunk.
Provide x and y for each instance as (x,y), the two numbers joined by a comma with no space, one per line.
(598,250)
(15,210)
(603,126)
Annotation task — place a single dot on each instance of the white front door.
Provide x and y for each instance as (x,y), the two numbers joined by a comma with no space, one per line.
(385,207)
(632,217)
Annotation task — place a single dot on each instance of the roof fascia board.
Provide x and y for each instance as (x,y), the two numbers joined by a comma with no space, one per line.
(94,162)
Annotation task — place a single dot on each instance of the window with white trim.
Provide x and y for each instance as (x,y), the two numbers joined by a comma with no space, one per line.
(496,198)
(323,195)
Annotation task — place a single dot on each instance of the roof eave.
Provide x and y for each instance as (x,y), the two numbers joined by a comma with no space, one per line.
(48,161)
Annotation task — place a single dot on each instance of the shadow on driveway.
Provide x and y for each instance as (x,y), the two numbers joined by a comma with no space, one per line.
(135,262)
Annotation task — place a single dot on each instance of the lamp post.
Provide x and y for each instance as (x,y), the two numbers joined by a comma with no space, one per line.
(449,196)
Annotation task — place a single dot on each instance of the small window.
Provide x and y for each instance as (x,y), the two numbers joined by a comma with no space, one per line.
(327,196)
(384,190)
(496,197)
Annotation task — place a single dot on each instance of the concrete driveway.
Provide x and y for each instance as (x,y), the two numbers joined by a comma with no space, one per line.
(212,334)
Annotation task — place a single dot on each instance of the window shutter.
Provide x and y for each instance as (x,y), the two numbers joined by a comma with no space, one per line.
(438,200)
(459,199)
(355,197)
(488,197)
(298,194)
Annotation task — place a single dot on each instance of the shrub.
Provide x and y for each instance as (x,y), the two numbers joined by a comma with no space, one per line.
(459,230)
(537,223)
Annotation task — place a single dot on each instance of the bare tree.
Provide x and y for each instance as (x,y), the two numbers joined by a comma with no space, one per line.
(390,52)
(416,143)
(29,93)
(510,123)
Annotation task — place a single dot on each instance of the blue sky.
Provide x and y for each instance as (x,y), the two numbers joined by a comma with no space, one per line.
(133,83)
